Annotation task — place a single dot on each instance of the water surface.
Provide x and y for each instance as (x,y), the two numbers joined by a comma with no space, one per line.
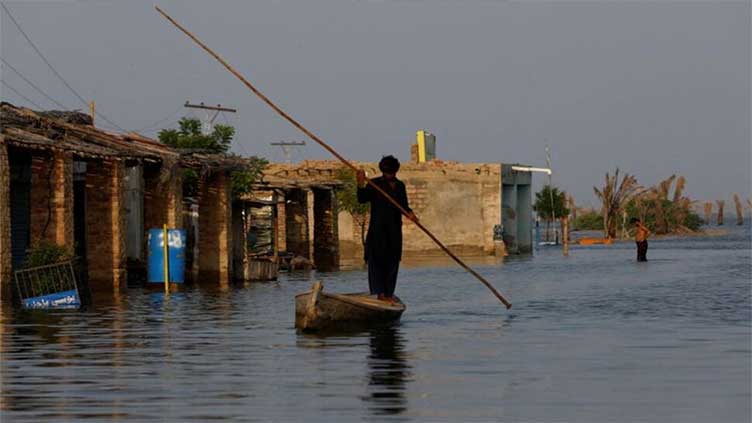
(594,337)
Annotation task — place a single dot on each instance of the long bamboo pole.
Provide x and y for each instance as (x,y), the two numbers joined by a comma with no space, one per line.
(311,135)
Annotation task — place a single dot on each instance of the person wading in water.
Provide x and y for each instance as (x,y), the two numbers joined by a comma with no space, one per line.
(383,250)
(641,238)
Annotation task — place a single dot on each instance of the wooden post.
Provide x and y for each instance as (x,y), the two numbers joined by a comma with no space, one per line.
(166,261)
(565,235)
(92,111)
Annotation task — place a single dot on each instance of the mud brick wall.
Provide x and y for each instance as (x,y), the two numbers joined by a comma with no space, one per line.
(325,232)
(281,225)
(350,243)
(458,202)
(163,197)
(5,252)
(215,235)
(52,199)
(105,224)
(296,221)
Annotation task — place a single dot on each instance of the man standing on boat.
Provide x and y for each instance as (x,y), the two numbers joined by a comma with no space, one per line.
(383,250)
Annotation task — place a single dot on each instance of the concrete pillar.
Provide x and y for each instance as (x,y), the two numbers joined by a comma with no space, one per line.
(5,251)
(215,235)
(524,218)
(326,233)
(509,216)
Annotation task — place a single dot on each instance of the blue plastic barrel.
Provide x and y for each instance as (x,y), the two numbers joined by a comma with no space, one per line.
(176,253)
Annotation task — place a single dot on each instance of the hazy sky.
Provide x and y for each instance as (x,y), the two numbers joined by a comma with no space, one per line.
(652,87)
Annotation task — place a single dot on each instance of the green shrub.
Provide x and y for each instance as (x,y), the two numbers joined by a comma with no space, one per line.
(46,253)
(589,221)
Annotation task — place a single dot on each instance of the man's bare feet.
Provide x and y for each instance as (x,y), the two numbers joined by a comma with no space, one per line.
(381,297)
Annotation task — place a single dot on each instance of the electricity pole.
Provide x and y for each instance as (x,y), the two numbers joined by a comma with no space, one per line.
(207,127)
(287,147)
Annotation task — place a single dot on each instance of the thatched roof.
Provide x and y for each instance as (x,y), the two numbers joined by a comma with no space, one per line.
(73,132)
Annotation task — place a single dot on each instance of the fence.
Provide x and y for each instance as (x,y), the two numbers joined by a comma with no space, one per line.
(50,286)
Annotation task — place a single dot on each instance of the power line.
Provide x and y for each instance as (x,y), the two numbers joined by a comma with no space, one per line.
(241,144)
(151,126)
(21,95)
(52,68)
(39,90)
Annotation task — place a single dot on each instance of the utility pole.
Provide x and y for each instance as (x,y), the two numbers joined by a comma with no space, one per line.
(287,147)
(207,127)
(92,111)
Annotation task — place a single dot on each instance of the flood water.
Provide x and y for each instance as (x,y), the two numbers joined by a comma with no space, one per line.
(594,337)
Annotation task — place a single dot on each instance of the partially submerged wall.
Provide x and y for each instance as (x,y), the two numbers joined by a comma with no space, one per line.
(458,202)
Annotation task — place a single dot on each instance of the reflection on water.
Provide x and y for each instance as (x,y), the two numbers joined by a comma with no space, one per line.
(596,337)
(388,371)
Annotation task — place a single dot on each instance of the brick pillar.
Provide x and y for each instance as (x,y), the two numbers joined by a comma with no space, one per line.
(163,197)
(52,199)
(309,223)
(174,198)
(281,226)
(119,226)
(215,236)
(105,222)
(63,200)
(5,251)
(326,233)
(296,220)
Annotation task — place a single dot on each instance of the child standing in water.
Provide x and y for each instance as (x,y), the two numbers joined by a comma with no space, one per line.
(641,238)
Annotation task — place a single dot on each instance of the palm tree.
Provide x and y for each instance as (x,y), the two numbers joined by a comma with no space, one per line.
(614,197)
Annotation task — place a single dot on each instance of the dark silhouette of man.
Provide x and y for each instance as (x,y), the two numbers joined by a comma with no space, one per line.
(383,250)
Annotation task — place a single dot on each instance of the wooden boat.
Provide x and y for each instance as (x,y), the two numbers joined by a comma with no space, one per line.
(317,310)
(594,241)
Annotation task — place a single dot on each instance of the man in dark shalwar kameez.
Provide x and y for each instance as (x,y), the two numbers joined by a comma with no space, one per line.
(383,250)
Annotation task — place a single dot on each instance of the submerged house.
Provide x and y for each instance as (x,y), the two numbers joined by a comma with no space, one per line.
(473,208)
(97,193)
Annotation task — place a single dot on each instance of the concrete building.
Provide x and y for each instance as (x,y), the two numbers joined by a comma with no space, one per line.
(462,204)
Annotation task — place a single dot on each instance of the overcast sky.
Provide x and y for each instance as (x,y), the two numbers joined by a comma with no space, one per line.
(652,87)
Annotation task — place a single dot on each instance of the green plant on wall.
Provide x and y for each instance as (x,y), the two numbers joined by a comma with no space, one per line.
(347,199)
(243,180)
(45,253)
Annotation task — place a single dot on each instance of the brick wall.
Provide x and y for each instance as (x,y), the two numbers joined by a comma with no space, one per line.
(325,234)
(52,199)
(163,197)
(458,202)
(215,236)
(105,224)
(5,251)
(63,201)
(296,222)
(281,226)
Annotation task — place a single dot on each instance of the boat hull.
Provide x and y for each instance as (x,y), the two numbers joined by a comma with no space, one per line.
(321,311)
